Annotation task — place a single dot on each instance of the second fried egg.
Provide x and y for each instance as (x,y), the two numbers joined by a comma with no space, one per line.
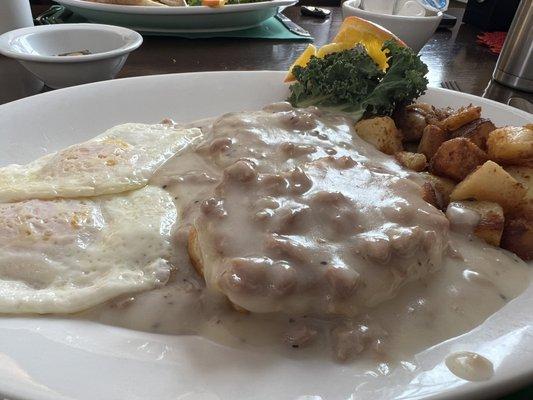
(121,159)
(66,255)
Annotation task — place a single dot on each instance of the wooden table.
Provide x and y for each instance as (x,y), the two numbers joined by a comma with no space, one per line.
(450,55)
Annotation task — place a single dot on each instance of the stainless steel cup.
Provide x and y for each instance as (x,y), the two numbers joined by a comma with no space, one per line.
(515,64)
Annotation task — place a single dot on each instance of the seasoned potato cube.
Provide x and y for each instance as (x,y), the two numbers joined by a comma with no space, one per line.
(518,237)
(456,158)
(429,194)
(490,182)
(477,131)
(443,187)
(381,132)
(432,113)
(415,161)
(489,227)
(491,222)
(459,118)
(524,175)
(432,138)
(411,121)
(511,145)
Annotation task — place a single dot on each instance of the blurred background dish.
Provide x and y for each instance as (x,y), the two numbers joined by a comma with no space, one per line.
(15,14)
(70,54)
(415,31)
(150,19)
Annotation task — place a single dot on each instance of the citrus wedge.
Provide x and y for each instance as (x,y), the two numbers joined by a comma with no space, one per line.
(358,30)
(302,61)
(332,48)
(213,3)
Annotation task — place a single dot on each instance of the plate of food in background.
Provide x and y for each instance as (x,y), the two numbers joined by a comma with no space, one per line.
(226,235)
(178,16)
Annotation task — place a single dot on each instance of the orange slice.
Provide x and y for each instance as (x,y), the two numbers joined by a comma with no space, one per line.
(213,3)
(357,30)
(302,61)
(332,48)
(353,31)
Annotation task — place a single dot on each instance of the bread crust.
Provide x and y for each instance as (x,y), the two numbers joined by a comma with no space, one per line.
(195,254)
(197,261)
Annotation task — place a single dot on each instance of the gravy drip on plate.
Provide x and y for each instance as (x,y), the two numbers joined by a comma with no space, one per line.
(470,366)
(325,240)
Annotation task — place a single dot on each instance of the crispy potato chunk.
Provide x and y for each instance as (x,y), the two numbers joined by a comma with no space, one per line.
(432,113)
(459,118)
(456,158)
(415,161)
(432,138)
(490,182)
(429,194)
(411,121)
(528,126)
(511,145)
(491,219)
(442,187)
(477,131)
(381,132)
(518,237)
(524,175)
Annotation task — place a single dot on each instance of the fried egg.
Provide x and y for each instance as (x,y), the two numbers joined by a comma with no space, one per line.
(121,159)
(66,255)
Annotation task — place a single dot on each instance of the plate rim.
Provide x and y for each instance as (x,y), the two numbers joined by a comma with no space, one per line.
(281,73)
(175,11)
(503,384)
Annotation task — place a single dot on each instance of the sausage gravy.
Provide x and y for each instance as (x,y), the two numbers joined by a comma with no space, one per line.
(310,237)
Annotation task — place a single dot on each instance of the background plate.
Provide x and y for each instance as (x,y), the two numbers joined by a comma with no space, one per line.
(178,19)
(46,358)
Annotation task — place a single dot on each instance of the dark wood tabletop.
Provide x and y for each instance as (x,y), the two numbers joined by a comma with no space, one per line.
(450,55)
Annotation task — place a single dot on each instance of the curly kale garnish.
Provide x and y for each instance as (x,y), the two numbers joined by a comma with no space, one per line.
(349,81)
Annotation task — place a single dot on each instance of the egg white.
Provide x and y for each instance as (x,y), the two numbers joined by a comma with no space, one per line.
(121,159)
(67,255)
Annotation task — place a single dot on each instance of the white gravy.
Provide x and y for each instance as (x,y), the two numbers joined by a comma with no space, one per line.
(470,366)
(322,282)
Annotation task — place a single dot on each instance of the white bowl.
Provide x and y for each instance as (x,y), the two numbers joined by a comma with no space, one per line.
(414,31)
(37,48)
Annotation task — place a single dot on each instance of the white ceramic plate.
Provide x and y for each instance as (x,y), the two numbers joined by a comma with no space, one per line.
(46,358)
(178,19)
